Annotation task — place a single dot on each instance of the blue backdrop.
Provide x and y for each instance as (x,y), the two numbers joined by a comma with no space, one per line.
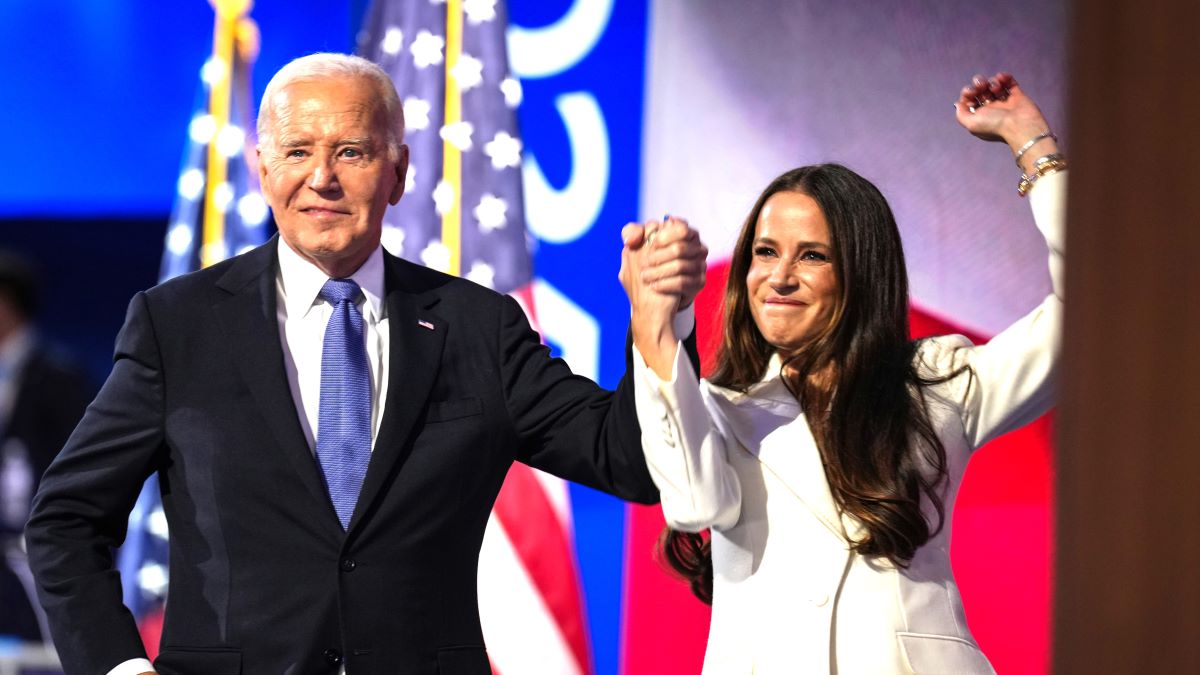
(103,92)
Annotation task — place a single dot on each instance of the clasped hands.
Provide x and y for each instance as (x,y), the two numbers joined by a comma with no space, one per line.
(663,267)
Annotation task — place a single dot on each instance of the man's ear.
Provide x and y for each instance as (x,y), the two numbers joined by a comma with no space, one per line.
(401,175)
(262,171)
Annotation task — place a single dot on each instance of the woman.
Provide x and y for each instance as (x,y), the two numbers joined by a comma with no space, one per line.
(827,447)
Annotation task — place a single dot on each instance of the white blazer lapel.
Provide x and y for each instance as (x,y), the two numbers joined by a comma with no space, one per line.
(769,425)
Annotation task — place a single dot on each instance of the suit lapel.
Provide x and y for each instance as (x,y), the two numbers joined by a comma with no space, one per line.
(249,319)
(417,336)
(771,427)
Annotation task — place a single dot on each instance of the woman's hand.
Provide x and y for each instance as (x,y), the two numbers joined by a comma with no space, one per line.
(997,109)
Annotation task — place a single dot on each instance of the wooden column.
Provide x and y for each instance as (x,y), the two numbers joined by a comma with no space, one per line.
(1127,577)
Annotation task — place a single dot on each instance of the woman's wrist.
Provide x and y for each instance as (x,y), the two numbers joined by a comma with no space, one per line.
(1041,147)
(1031,138)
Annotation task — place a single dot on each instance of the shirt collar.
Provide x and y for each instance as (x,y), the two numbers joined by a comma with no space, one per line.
(771,386)
(301,282)
(774,368)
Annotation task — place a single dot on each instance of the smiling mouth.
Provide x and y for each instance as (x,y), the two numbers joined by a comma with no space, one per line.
(784,303)
(323,211)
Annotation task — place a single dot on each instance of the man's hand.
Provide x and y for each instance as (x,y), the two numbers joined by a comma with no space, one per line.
(662,269)
(677,260)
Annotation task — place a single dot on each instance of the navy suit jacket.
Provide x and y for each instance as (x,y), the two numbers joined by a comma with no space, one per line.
(263,578)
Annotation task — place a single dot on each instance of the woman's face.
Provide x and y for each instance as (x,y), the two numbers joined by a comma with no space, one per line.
(792,286)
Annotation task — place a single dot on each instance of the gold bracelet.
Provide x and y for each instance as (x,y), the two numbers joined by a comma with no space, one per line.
(1043,166)
(1045,160)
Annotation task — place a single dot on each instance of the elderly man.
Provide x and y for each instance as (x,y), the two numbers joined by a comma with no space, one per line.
(330,426)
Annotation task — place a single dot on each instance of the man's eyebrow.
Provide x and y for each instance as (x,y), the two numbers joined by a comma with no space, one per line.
(288,143)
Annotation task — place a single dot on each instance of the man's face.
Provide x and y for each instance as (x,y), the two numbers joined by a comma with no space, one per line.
(325,170)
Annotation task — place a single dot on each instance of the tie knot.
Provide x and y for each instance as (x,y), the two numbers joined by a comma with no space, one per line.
(337,290)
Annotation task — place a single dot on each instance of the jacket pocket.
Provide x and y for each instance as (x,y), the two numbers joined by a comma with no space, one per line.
(942,655)
(463,661)
(199,661)
(441,411)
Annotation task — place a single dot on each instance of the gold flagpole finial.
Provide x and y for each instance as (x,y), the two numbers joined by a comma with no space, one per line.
(230,10)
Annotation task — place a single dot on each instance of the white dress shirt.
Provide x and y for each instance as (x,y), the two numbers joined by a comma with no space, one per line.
(303,315)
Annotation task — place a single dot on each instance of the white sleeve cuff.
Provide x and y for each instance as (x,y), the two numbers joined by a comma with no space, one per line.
(684,322)
(132,667)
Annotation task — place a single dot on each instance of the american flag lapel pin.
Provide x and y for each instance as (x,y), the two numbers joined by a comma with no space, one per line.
(424,324)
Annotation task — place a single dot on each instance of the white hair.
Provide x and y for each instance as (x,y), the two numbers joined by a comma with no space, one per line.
(333,65)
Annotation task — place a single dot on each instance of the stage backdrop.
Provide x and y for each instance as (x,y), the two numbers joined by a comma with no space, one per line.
(627,107)
(737,93)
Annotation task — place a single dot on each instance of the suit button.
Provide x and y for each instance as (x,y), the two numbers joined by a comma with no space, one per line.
(333,656)
(348,565)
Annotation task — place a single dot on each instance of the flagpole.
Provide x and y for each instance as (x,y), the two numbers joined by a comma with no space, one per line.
(451,156)
(220,77)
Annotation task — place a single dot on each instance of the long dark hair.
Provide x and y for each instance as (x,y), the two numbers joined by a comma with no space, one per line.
(857,381)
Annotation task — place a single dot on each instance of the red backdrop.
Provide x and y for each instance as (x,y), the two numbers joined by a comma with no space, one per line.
(1001,545)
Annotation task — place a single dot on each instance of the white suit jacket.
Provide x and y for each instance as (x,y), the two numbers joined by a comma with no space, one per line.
(789,595)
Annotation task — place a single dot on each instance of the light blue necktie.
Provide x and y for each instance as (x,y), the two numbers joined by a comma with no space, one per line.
(344,419)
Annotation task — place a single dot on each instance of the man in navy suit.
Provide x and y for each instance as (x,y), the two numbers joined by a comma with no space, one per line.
(221,384)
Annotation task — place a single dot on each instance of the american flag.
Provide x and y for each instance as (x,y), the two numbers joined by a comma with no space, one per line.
(218,212)
(463,213)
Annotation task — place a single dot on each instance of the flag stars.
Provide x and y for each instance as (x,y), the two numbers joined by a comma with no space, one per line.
(410,179)
(467,72)
(443,197)
(504,150)
(213,71)
(458,135)
(416,113)
(252,209)
(491,212)
(156,523)
(152,579)
(478,11)
(436,256)
(223,197)
(511,88)
(231,140)
(427,49)
(392,238)
(191,184)
(202,128)
(179,239)
(482,274)
(216,250)
(393,41)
